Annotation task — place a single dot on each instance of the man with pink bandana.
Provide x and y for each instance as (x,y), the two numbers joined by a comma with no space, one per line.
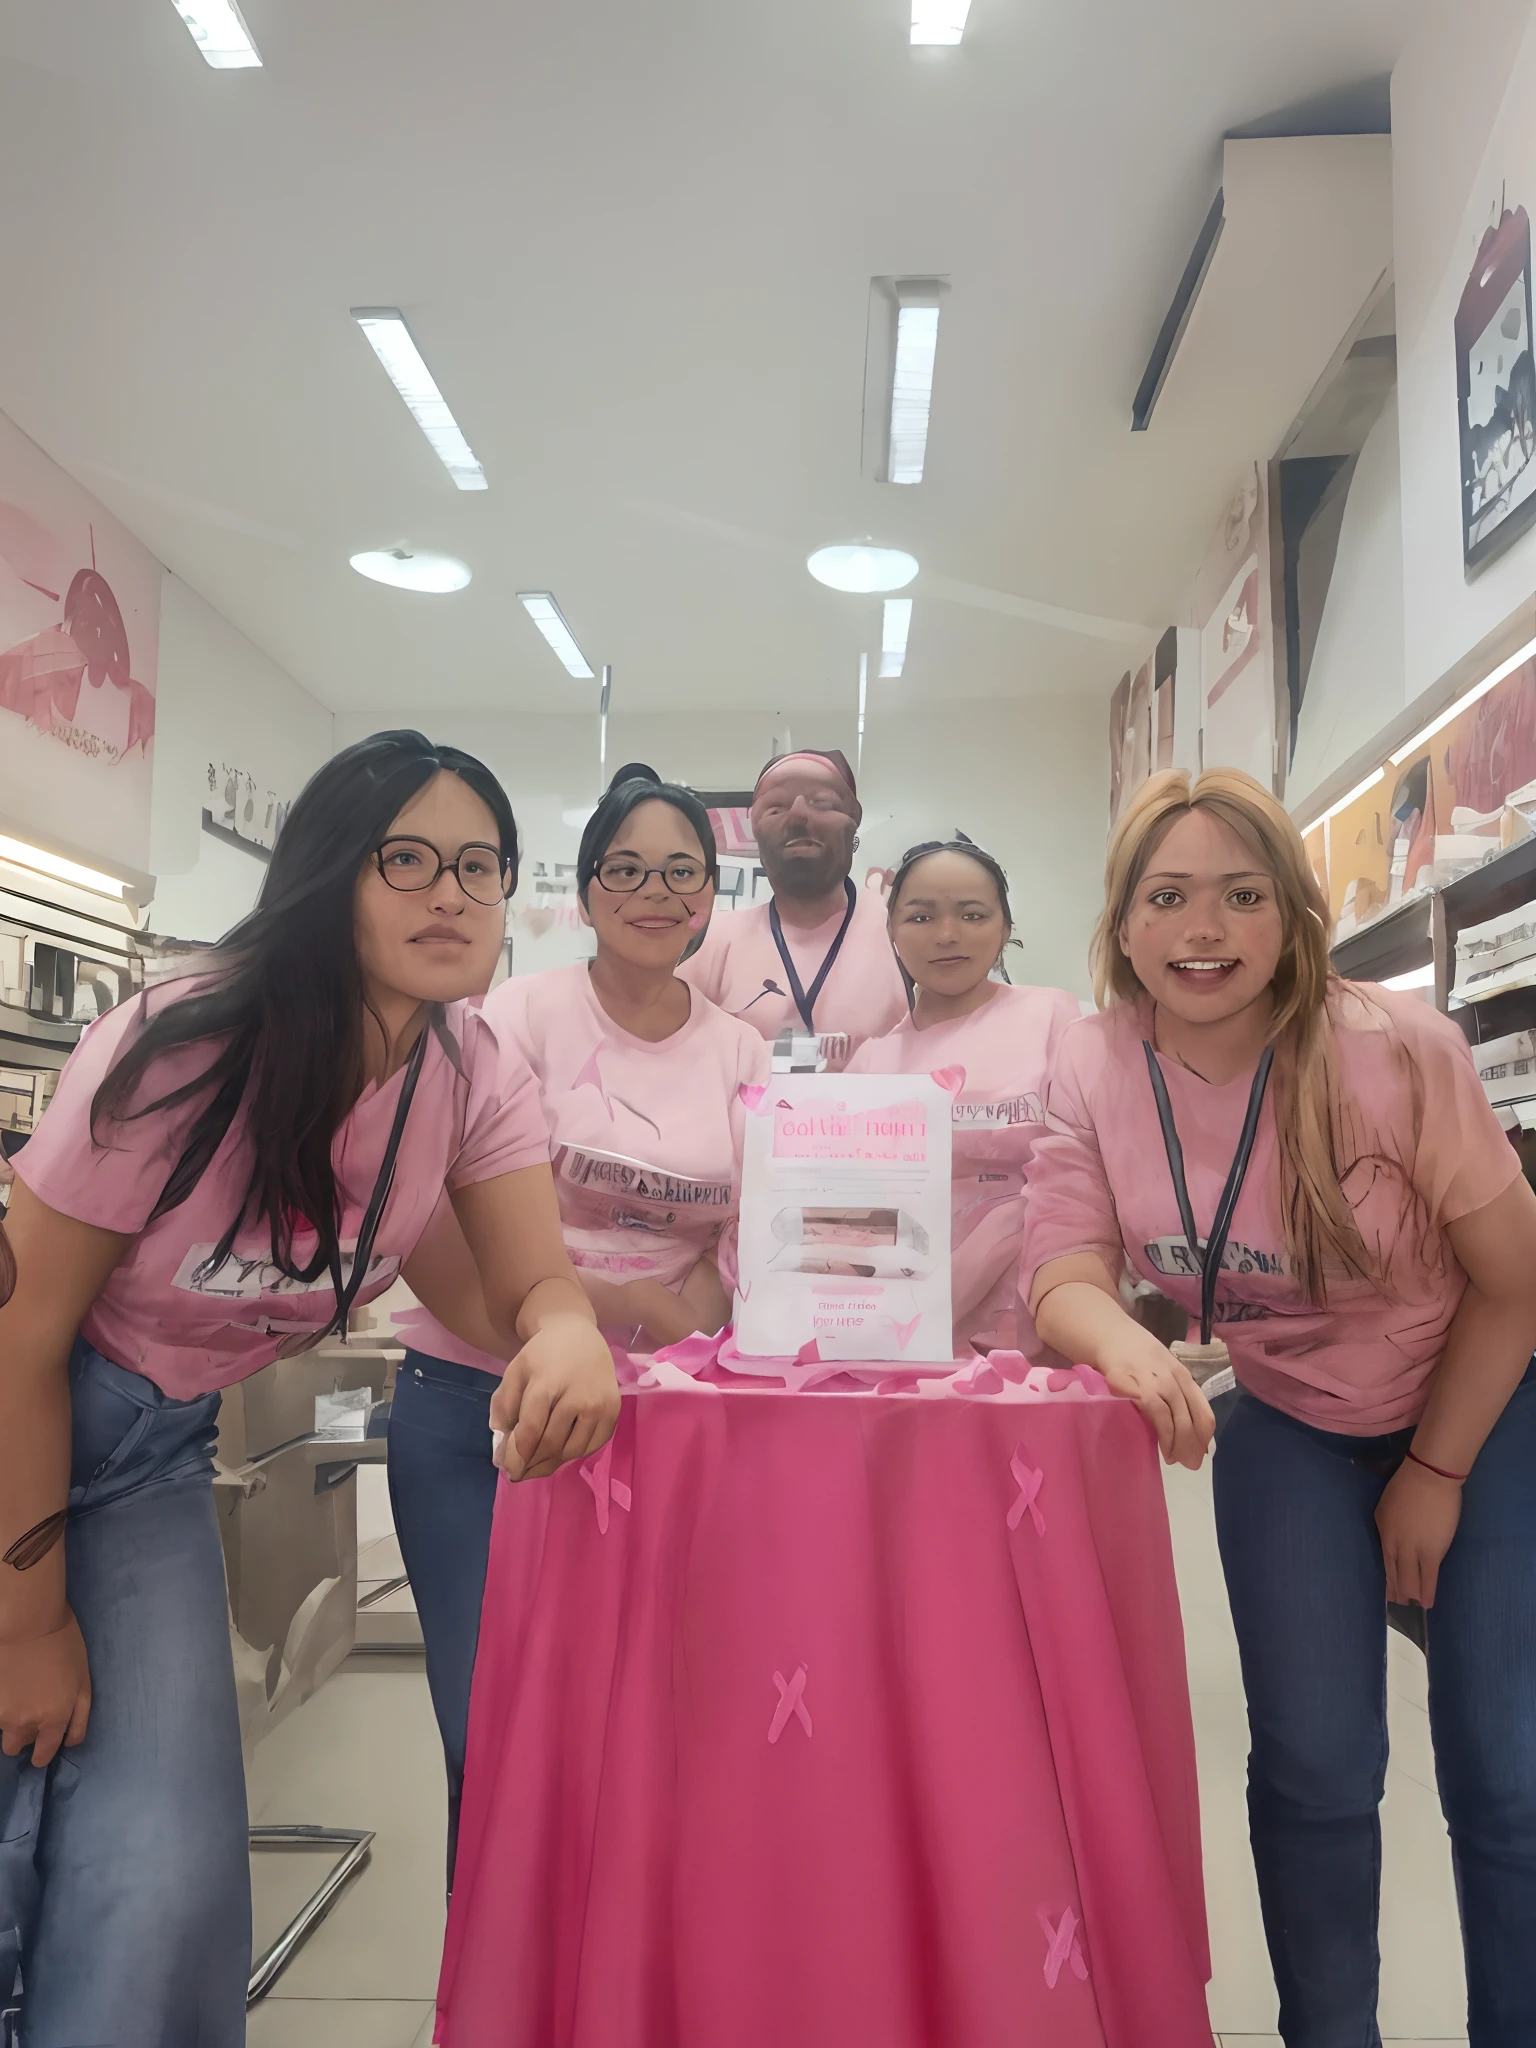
(815,961)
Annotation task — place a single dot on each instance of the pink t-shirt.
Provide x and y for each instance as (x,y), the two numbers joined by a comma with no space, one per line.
(739,968)
(475,1116)
(1003,1050)
(1421,1149)
(646,1137)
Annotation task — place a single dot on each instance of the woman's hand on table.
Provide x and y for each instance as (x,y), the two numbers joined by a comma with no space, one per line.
(1078,1311)
(1138,1368)
(1416,1518)
(558,1400)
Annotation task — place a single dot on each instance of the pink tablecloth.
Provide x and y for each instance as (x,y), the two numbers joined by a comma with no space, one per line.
(834,1720)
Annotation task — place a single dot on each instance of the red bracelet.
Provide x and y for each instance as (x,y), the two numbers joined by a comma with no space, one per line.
(1439,1470)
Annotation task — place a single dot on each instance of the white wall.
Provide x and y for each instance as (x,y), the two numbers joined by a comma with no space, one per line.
(1356,681)
(219,701)
(1026,778)
(1462,137)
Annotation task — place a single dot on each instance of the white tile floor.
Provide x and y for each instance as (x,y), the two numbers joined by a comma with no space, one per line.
(363,1753)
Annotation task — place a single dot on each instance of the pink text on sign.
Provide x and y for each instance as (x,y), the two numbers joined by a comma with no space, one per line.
(892,1134)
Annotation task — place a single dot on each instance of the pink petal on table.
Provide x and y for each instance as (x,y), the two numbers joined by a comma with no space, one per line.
(693,1355)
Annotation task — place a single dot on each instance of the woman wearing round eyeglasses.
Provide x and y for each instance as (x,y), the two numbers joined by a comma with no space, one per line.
(639,1076)
(228,1166)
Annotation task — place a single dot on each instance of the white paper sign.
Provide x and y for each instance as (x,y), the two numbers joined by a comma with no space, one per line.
(844,1236)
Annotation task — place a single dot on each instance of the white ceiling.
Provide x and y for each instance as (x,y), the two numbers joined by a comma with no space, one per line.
(634,240)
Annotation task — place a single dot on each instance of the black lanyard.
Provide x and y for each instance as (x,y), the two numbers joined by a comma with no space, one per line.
(805,999)
(373,1215)
(1210,1258)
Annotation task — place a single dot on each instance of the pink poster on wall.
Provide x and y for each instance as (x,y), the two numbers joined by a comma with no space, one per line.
(79,655)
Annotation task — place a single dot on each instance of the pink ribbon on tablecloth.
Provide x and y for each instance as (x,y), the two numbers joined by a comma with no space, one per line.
(791,1702)
(1062,1947)
(598,1473)
(1029,1483)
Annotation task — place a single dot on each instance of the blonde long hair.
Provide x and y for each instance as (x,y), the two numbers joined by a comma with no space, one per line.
(1321,1234)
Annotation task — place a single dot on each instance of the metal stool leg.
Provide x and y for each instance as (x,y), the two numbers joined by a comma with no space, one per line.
(356,1843)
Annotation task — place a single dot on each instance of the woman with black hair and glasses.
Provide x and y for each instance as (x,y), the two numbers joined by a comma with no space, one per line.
(229,1164)
(640,1078)
(949,923)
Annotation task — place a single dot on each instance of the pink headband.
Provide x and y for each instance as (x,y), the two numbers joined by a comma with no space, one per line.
(836,761)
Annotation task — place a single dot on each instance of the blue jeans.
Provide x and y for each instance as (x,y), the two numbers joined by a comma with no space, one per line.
(1294,1519)
(442,1487)
(124,1868)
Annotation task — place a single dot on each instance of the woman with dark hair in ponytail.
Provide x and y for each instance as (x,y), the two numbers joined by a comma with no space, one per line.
(229,1165)
(949,922)
(640,1080)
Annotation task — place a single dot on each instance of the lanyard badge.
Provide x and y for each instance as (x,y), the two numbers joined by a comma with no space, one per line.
(1209,1357)
(805,998)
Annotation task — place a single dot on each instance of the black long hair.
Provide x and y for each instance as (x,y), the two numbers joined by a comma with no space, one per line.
(281,1003)
(988,862)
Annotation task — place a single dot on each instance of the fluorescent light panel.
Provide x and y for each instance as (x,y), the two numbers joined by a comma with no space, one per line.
(392,344)
(917,341)
(62,870)
(1344,802)
(939,21)
(895,627)
(546,615)
(1506,668)
(219,31)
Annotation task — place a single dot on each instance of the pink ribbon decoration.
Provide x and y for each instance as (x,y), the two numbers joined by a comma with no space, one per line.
(981,1377)
(1013,1366)
(791,1702)
(1062,1947)
(598,1474)
(695,1354)
(1087,1378)
(1029,1483)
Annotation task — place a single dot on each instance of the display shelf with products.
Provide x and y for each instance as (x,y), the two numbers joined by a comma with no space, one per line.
(1425,931)
(67,955)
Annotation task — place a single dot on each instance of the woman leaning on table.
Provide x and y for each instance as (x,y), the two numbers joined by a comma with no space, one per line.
(228,1165)
(1375,1284)
(639,1078)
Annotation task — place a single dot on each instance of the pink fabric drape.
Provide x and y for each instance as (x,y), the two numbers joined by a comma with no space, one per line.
(830,1718)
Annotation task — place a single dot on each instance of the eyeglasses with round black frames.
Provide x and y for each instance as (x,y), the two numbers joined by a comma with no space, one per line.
(622,876)
(415,865)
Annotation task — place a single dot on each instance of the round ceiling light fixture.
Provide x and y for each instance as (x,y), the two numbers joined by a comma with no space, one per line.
(437,575)
(864,570)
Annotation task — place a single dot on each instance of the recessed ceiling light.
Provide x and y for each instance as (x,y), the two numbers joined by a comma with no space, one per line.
(436,575)
(939,21)
(219,31)
(863,570)
(24,856)
(899,354)
(547,616)
(895,627)
(391,339)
